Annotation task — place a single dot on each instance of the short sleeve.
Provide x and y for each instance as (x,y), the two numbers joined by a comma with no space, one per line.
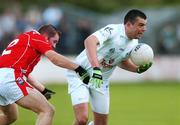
(39,43)
(105,33)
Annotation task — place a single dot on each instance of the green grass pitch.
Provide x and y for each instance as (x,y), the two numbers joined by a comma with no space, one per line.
(148,103)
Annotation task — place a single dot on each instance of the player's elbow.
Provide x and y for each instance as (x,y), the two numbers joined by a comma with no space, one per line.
(86,42)
(90,41)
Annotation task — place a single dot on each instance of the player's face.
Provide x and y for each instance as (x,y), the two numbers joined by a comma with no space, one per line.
(137,29)
(54,40)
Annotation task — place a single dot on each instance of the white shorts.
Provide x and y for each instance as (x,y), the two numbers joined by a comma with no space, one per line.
(12,86)
(81,93)
(99,102)
(74,82)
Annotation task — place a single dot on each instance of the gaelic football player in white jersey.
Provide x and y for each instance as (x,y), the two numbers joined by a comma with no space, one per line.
(106,49)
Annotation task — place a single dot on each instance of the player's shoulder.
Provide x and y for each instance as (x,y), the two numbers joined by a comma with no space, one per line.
(35,35)
(114,26)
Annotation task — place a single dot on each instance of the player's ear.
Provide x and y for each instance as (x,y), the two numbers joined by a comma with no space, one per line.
(127,23)
(46,37)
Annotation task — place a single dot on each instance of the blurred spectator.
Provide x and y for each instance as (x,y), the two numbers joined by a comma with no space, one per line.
(1,43)
(8,20)
(178,36)
(52,15)
(21,23)
(63,46)
(83,30)
(7,25)
(33,18)
(6,39)
(1,33)
(167,39)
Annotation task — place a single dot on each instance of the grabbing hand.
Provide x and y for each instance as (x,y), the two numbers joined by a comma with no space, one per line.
(47,93)
(96,79)
(143,68)
(84,76)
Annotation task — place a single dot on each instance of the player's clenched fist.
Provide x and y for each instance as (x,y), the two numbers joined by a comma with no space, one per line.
(84,75)
(143,68)
(96,79)
(47,93)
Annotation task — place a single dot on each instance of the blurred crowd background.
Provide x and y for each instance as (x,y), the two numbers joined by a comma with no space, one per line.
(78,19)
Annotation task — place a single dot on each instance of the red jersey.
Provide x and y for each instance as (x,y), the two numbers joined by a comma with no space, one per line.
(23,53)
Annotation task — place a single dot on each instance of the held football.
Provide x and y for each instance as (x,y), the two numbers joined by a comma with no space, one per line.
(142,54)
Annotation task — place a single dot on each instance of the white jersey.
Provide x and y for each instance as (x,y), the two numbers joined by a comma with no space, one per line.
(114,47)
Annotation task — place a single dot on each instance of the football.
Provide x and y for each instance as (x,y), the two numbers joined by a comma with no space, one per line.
(142,54)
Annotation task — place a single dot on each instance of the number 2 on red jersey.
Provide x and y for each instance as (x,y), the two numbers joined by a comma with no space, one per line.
(14,42)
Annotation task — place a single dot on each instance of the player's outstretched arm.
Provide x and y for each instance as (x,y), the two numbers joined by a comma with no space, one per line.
(64,62)
(60,60)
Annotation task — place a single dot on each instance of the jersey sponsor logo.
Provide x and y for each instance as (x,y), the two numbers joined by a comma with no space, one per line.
(108,60)
(107,64)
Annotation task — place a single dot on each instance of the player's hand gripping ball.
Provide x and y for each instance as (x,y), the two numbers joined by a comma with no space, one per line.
(142,55)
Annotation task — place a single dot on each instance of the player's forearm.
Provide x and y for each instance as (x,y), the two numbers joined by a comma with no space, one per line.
(63,62)
(35,83)
(128,65)
(91,48)
(60,60)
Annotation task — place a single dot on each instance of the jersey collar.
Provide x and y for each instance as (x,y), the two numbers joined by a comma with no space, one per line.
(123,33)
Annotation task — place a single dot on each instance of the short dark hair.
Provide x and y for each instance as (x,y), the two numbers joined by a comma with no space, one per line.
(132,15)
(49,29)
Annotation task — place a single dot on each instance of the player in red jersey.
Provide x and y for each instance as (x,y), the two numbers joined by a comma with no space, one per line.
(17,85)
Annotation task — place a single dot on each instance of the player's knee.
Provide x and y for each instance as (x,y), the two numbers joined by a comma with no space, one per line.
(50,110)
(82,120)
(12,120)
